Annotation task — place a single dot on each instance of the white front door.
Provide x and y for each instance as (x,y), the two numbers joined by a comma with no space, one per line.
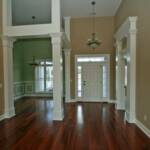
(92,81)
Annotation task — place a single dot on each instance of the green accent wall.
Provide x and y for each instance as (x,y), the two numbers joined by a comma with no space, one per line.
(18,61)
(23,53)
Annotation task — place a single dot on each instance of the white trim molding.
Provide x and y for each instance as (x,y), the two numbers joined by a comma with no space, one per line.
(71,101)
(31,30)
(129,31)
(19,97)
(2,117)
(9,113)
(143,128)
(33,95)
(26,89)
(92,101)
(107,62)
(112,101)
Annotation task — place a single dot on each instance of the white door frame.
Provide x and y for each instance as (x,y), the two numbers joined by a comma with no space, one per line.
(76,81)
(129,31)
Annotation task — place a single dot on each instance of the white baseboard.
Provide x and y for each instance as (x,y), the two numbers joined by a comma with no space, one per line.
(7,115)
(71,101)
(93,101)
(58,115)
(10,113)
(37,95)
(2,117)
(90,101)
(19,97)
(32,95)
(129,118)
(112,101)
(143,128)
(120,105)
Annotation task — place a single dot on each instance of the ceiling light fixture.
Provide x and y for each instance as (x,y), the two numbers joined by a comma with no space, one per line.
(93,42)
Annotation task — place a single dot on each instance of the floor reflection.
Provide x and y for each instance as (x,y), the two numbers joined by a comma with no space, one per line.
(43,107)
(86,126)
(80,117)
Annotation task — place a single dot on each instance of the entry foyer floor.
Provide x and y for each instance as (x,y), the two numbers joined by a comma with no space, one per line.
(87,126)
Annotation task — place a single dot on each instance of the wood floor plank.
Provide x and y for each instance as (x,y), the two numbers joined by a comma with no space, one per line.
(87,126)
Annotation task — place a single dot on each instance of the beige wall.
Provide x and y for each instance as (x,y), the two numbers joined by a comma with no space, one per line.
(1,64)
(141,9)
(81,29)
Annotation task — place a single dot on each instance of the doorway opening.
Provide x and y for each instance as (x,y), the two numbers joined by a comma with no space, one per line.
(44,77)
(92,77)
(32,70)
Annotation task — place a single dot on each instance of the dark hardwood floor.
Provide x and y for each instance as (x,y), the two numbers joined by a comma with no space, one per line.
(87,126)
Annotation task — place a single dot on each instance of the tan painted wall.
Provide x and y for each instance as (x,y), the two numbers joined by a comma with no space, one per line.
(141,9)
(81,29)
(1,64)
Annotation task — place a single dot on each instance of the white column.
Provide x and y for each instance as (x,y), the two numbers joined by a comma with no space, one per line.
(67,75)
(7,14)
(67,27)
(119,77)
(129,30)
(131,109)
(58,111)
(56,14)
(122,80)
(9,110)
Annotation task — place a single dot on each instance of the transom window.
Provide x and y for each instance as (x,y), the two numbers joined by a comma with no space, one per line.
(91,59)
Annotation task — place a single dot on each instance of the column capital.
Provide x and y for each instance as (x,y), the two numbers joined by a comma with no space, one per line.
(132,32)
(56,37)
(118,43)
(67,51)
(67,18)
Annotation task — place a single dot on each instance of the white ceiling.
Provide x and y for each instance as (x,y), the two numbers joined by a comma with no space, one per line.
(82,8)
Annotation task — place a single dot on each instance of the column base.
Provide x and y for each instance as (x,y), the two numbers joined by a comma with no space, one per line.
(58,115)
(129,118)
(9,113)
(120,106)
(2,117)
